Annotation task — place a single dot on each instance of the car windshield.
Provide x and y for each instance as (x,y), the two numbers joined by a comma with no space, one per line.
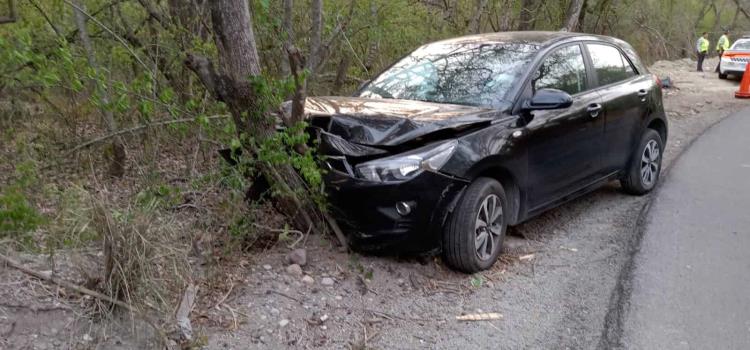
(458,73)
(741,45)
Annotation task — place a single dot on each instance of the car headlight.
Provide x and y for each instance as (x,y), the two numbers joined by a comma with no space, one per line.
(407,165)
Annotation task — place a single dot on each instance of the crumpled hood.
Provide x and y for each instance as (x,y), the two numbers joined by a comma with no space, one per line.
(389,122)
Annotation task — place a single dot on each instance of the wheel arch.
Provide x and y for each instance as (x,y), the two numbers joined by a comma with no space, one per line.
(510,184)
(659,125)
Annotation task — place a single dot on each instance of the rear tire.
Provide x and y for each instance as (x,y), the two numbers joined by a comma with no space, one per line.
(645,167)
(473,238)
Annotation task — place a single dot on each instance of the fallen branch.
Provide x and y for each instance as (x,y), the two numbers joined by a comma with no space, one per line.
(81,290)
(489,316)
(182,316)
(135,129)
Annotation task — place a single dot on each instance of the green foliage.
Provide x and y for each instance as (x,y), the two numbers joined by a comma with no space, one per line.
(158,196)
(477,281)
(18,216)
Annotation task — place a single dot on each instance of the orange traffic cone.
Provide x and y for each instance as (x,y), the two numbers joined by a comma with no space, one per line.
(744,91)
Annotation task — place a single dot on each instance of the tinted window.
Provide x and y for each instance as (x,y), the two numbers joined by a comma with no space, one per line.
(609,64)
(563,70)
(460,73)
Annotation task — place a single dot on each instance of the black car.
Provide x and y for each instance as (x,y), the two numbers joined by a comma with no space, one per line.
(463,137)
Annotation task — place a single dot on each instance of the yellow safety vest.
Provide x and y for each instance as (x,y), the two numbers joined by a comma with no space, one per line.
(703,44)
(723,44)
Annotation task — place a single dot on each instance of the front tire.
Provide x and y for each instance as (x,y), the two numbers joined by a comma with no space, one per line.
(723,76)
(474,236)
(644,170)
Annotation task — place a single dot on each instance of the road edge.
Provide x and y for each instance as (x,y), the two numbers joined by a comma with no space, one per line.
(612,332)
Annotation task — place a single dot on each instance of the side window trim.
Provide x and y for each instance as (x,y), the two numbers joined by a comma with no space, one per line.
(596,86)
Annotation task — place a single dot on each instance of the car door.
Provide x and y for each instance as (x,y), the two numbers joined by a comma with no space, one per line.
(625,96)
(564,145)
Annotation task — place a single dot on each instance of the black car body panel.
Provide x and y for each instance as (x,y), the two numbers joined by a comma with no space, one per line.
(543,158)
(380,122)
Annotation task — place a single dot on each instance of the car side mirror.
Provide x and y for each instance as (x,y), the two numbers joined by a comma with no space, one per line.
(548,99)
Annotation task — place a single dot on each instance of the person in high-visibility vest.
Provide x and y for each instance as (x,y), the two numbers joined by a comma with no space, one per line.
(702,48)
(721,46)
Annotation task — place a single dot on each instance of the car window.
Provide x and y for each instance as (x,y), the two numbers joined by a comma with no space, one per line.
(564,69)
(609,64)
(741,45)
(466,73)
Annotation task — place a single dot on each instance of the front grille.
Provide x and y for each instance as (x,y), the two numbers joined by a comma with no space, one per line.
(741,59)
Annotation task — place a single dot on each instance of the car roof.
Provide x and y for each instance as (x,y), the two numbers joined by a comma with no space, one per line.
(539,38)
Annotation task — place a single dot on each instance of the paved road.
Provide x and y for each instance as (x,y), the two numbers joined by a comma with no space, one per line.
(689,287)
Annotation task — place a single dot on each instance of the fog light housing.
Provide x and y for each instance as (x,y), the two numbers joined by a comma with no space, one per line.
(403,208)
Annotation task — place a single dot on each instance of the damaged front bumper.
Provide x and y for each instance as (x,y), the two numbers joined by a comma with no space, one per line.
(402,217)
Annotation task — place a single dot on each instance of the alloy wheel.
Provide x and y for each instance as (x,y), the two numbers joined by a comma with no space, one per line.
(488,227)
(650,163)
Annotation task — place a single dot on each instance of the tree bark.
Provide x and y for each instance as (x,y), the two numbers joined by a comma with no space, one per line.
(476,18)
(288,26)
(341,72)
(573,15)
(11,17)
(526,18)
(117,166)
(372,51)
(316,34)
(239,61)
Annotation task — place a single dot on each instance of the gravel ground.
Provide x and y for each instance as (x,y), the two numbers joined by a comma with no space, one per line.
(557,286)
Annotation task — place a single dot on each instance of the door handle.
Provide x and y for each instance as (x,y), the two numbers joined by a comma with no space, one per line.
(594,110)
(642,94)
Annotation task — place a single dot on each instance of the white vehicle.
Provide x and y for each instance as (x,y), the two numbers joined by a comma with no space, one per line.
(735,59)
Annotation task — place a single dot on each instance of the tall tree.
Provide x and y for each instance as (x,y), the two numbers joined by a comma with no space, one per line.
(316,34)
(526,17)
(476,19)
(11,17)
(117,166)
(573,16)
(287,25)
(232,83)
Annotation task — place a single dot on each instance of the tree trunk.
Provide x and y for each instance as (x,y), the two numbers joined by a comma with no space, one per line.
(525,19)
(238,60)
(288,26)
(372,52)
(475,23)
(11,17)
(117,166)
(316,33)
(573,15)
(602,12)
(341,72)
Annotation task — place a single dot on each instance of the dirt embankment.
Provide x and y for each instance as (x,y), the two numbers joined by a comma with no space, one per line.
(554,286)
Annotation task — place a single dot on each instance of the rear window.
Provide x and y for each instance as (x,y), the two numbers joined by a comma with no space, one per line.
(741,45)
(610,65)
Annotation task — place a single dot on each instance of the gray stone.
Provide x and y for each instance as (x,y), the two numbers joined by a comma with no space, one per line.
(297,256)
(294,270)
(327,281)
(308,280)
